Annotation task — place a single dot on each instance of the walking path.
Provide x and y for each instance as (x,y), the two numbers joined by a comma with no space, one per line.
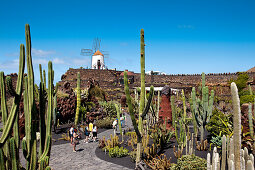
(63,158)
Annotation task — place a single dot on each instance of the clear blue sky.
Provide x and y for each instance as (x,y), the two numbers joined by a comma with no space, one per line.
(181,36)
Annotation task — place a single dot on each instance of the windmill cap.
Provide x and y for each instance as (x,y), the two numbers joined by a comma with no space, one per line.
(98,53)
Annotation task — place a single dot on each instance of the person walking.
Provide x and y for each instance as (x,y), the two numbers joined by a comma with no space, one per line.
(86,133)
(94,131)
(71,134)
(90,129)
(75,139)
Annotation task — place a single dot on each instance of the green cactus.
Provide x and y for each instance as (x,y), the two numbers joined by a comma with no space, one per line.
(237,125)
(251,121)
(30,111)
(78,98)
(202,109)
(142,95)
(193,110)
(131,112)
(224,152)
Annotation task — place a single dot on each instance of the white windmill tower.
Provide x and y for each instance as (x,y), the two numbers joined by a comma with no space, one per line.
(97,55)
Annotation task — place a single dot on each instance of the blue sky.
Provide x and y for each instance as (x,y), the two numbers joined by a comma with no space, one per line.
(181,36)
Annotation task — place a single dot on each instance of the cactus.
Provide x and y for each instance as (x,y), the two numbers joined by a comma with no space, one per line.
(251,121)
(142,95)
(55,112)
(237,124)
(193,110)
(202,109)
(78,99)
(223,157)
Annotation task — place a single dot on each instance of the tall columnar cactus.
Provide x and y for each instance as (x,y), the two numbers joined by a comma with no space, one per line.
(131,112)
(142,95)
(10,121)
(237,125)
(55,107)
(224,152)
(251,121)
(78,98)
(158,105)
(194,110)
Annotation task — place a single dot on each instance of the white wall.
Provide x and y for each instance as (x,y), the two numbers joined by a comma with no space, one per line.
(95,58)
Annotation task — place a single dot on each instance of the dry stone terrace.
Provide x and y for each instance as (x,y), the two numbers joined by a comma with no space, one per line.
(109,81)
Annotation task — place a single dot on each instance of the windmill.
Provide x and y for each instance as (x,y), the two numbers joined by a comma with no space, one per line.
(97,55)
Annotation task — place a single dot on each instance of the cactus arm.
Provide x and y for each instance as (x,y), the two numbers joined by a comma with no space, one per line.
(13,154)
(13,112)
(148,102)
(44,79)
(130,108)
(42,118)
(46,151)
(2,162)
(237,125)
(3,99)
(9,86)
(24,148)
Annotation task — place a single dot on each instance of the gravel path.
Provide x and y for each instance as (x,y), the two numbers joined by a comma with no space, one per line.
(63,157)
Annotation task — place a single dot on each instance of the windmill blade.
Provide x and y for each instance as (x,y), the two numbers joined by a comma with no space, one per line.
(86,52)
(96,44)
(105,53)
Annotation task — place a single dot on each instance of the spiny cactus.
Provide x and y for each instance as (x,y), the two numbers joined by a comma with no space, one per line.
(131,112)
(30,111)
(142,95)
(251,121)
(237,124)
(202,109)
(78,99)
(173,111)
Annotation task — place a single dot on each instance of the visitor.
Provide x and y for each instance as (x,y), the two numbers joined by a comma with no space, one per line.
(94,131)
(114,126)
(71,134)
(90,129)
(86,133)
(75,140)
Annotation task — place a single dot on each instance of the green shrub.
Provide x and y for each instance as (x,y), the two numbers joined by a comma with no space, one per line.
(217,141)
(109,108)
(189,162)
(105,123)
(220,124)
(247,99)
(118,152)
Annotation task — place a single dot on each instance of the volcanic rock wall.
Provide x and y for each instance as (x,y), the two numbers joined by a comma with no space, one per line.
(109,80)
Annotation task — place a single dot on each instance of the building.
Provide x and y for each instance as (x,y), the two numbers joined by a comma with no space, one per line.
(97,61)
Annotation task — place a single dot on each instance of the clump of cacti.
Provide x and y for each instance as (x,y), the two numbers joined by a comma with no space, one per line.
(202,110)
(9,146)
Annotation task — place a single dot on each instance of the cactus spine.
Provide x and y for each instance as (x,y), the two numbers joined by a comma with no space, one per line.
(223,157)
(78,98)
(237,125)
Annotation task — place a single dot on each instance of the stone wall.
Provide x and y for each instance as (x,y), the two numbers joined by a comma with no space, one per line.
(109,81)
